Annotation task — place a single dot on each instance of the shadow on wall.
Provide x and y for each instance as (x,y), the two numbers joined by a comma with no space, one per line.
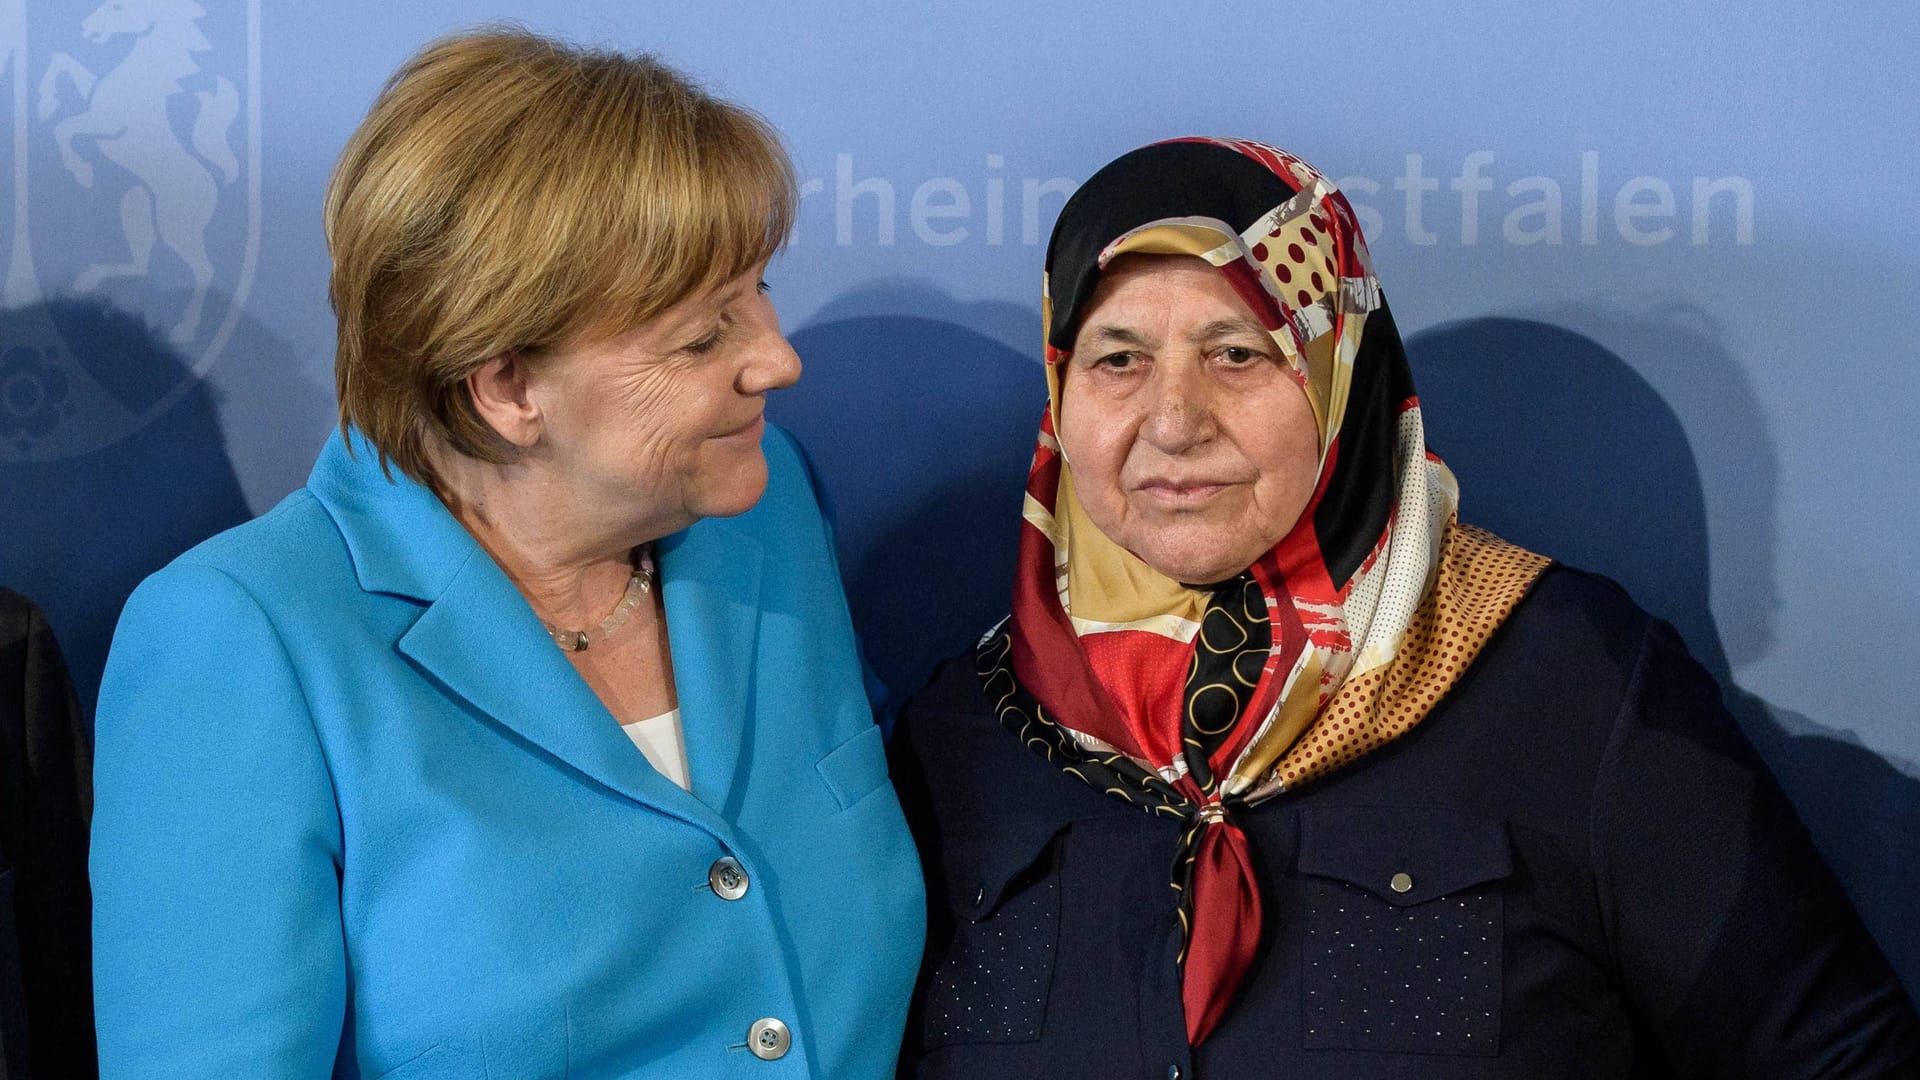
(923,405)
(101,481)
(1561,446)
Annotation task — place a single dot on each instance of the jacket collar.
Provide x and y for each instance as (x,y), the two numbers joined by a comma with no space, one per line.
(480,640)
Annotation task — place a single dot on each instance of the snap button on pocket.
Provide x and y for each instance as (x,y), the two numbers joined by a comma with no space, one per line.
(1404,942)
(989,983)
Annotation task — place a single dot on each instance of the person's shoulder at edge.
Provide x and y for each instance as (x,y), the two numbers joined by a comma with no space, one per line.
(292,546)
(1568,600)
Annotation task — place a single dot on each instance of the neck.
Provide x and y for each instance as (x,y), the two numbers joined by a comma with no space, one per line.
(571,563)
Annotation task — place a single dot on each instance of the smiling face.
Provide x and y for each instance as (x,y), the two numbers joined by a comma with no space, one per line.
(660,426)
(1191,442)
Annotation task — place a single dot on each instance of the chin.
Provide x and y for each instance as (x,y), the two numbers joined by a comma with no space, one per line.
(1189,569)
(735,493)
(1201,560)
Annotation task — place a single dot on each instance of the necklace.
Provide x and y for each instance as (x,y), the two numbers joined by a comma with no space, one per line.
(638,586)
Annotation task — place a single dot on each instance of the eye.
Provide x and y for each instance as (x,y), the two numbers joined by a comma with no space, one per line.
(709,343)
(764,288)
(1239,355)
(1119,361)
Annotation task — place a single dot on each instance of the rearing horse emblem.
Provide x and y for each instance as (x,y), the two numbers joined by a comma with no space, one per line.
(141,113)
(124,117)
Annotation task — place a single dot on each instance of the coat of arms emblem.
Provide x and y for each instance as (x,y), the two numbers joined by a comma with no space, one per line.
(135,178)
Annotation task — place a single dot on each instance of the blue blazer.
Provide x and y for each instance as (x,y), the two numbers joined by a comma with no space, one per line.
(356,815)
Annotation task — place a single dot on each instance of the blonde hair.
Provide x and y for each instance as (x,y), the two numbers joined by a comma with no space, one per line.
(508,193)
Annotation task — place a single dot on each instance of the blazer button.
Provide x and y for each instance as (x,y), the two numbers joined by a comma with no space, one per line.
(1401,883)
(769,1039)
(728,879)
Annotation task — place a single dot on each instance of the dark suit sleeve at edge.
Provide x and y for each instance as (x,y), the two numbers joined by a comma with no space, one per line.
(49,792)
(1734,942)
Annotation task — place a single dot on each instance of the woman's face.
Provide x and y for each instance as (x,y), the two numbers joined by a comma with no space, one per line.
(1191,442)
(659,427)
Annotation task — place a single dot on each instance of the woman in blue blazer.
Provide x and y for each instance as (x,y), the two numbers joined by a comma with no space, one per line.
(528,739)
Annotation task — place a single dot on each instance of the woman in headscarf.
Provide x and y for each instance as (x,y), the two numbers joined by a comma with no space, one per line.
(1277,769)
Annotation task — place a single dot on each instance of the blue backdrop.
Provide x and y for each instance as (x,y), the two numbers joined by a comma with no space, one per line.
(1656,268)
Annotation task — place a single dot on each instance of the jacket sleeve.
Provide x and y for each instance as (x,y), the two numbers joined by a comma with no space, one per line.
(1737,948)
(48,777)
(218,949)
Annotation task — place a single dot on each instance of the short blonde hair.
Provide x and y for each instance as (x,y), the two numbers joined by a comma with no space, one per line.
(511,193)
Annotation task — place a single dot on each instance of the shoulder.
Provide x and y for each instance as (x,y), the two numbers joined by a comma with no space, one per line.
(949,739)
(1573,631)
(950,704)
(17,616)
(1570,599)
(293,535)
(945,725)
(291,554)
(27,647)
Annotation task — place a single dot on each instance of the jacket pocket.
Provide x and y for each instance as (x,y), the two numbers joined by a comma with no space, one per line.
(1404,939)
(989,983)
(453,1060)
(529,1042)
(856,768)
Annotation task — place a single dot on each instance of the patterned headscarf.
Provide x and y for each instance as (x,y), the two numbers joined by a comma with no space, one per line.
(1195,702)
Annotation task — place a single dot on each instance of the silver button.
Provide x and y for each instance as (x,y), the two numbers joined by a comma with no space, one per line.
(1173,1072)
(727,878)
(769,1039)
(1401,883)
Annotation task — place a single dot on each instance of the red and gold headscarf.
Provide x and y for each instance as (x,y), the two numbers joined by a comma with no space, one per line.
(1197,701)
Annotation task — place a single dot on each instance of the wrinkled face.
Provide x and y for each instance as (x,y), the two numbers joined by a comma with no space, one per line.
(660,426)
(1191,442)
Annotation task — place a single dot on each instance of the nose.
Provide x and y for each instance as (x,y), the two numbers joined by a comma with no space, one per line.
(773,366)
(1180,412)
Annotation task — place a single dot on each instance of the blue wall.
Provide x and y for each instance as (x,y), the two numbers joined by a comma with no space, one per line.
(1656,268)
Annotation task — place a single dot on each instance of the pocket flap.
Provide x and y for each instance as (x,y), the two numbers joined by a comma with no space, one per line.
(856,768)
(985,869)
(1404,855)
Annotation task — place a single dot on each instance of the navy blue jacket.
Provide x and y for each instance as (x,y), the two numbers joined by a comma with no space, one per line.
(1606,884)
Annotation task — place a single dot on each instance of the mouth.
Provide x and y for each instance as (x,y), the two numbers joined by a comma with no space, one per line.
(1182,493)
(751,430)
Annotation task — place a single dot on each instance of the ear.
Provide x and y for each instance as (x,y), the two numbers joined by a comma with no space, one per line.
(500,395)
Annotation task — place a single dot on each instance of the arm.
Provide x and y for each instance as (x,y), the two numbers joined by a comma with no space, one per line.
(48,780)
(1736,946)
(218,946)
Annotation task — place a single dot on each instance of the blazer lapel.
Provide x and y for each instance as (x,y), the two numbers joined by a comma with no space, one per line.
(711,576)
(477,637)
(482,642)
